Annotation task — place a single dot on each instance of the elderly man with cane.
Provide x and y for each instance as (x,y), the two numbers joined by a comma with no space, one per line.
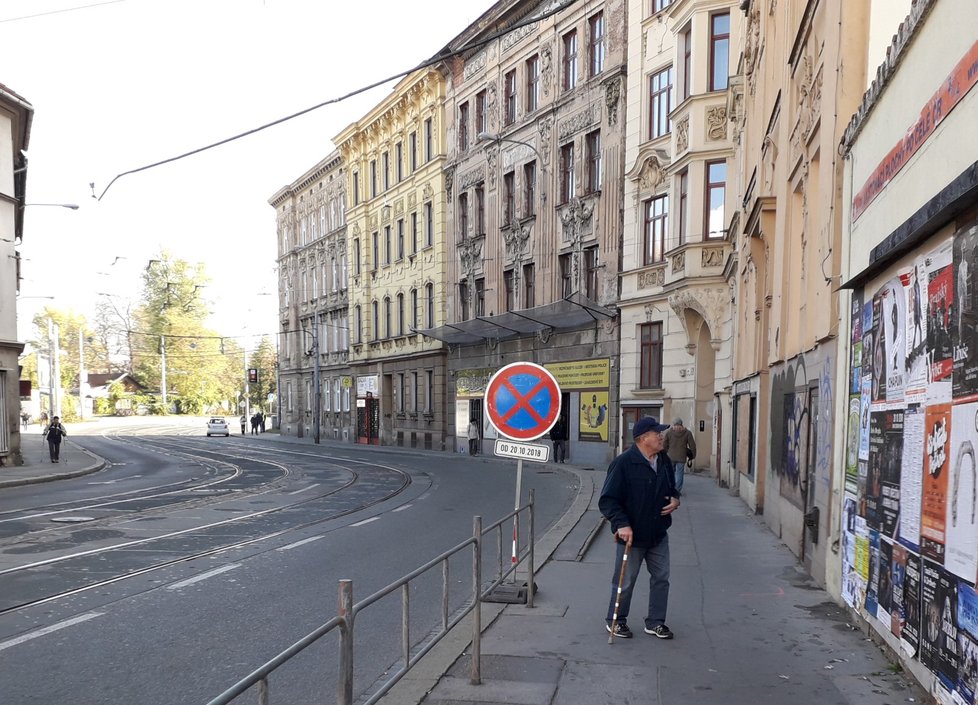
(637,499)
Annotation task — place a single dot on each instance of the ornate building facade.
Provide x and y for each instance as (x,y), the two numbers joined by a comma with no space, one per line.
(313,303)
(535,117)
(397,252)
(676,332)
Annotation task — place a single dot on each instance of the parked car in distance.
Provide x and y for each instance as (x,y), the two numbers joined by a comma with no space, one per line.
(218,426)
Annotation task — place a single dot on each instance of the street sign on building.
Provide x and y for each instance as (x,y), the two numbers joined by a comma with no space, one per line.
(522,401)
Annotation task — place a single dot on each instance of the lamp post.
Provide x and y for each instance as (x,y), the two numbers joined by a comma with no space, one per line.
(315,376)
(491,137)
(69,206)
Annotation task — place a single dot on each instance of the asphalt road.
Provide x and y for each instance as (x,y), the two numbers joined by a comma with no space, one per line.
(189,561)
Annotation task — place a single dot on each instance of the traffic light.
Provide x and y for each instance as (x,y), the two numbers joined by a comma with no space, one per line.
(252,375)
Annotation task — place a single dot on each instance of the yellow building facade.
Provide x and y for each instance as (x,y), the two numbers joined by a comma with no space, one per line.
(396,245)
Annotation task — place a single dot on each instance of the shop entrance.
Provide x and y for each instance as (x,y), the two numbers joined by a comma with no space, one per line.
(368,420)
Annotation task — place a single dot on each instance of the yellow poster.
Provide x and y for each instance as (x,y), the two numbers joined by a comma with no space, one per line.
(594,416)
(581,374)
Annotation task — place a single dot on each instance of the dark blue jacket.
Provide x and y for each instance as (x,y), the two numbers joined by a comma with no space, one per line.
(634,495)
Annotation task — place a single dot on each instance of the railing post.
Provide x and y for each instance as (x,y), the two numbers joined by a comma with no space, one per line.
(529,560)
(476,675)
(344,684)
(263,691)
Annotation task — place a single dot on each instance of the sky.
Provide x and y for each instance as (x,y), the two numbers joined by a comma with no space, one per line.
(120,84)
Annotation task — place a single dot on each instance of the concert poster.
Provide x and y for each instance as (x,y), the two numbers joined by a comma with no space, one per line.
(964,314)
(915,289)
(961,529)
(898,573)
(883,480)
(910,632)
(967,641)
(940,300)
(937,448)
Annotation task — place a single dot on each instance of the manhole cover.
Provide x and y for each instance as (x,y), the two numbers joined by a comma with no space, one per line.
(72,520)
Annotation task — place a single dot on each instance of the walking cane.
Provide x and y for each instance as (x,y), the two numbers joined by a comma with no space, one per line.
(621,579)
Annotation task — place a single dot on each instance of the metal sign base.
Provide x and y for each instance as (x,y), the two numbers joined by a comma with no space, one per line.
(510,593)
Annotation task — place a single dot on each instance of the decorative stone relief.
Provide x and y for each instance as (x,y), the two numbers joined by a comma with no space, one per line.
(651,176)
(651,278)
(449,181)
(412,199)
(679,262)
(576,217)
(356,229)
(650,311)
(475,65)
(571,125)
(491,112)
(513,38)
(492,157)
(682,135)
(711,304)
(427,192)
(546,68)
(612,96)
(471,178)
(399,206)
(716,122)
(470,254)
(545,126)
(372,221)
(712,257)
(517,240)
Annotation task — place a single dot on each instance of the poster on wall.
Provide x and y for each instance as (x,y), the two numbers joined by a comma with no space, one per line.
(594,416)
(964,315)
(878,367)
(947,653)
(915,290)
(898,577)
(910,633)
(884,586)
(936,470)
(911,477)
(940,298)
(967,641)
(961,530)
(890,354)
(865,400)
(871,604)
(930,625)
(852,446)
(853,585)
(856,344)
(883,479)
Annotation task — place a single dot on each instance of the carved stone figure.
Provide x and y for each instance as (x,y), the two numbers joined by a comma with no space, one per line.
(651,278)
(712,257)
(716,122)
(682,135)
(612,96)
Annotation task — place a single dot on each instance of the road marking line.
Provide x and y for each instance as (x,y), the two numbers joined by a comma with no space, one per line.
(203,576)
(305,489)
(298,543)
(365,521)
(401,509)
(47,630)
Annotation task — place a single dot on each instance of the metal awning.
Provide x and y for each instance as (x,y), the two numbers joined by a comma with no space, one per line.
(571,312)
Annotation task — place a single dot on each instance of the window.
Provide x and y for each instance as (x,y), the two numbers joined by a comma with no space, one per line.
(463,299)
(566,282)
(596,48)
(592,143)
(414,232)
(400,238)
(429,392)
(373,178)
(356,188)
(414,308)
(480,210)
(591,273)
(335,274)
(463,127)
(510,96)
(429,302)
(716,188)
(532,83)
(375,322)
(656,227)
(683,206)
(429,225)
(567,181)
(386,168)
(650,336)
(376,251)
(416,389)
(509,283)
(569,72)
(413,151)
(387,317)
(719,51)
(400,314)
(387,244)
(528,286)
(481,114)
(660,103)
(356,257)
(399,161)
(462,217)
(429,140)
(480,297)
(327,397)
(358,322)
(687,40)
(509,198)
(660,5)
(399,401)
(529,188)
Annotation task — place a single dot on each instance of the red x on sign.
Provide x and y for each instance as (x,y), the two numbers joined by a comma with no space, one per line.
(522,401)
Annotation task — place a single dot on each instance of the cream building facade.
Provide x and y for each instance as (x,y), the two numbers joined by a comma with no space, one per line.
(16,115)
(676,331)
(314,304)
(534,172)
(397,250)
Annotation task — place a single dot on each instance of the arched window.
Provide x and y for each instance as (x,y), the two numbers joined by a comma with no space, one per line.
(429,295)
(375,315)
(358,316)
(400,314)
(387,317)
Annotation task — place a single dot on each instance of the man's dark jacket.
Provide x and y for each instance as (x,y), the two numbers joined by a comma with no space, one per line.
(634,495)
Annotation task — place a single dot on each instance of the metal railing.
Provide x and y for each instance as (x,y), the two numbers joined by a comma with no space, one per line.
(411,654)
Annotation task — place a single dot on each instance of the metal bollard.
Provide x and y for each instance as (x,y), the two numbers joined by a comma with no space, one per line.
(344,684)
(476,675)
(529,561)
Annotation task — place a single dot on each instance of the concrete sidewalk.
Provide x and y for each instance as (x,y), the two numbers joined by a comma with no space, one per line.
(750,626)
(37,467)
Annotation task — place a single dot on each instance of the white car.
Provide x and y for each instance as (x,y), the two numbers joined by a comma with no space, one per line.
(218,427)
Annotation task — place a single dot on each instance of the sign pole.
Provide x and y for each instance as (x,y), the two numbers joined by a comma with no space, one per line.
(516,519)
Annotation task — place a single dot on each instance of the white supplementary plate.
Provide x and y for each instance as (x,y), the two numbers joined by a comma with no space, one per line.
(527,451)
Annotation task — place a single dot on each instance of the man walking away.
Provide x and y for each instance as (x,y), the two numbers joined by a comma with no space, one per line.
(244,422)
(261,422)
(54,433)
(473,437)
(681,446)
(558,434)
(638,499)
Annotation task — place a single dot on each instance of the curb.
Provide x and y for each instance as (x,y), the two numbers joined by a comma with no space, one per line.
(97,465)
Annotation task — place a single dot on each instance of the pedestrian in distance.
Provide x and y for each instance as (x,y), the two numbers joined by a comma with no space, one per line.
(681,447)
(473,437)
(638,499)
(53,435)
(244,423)
(25,419)
(254,424)
(559,435)
(42,420)
(261,422)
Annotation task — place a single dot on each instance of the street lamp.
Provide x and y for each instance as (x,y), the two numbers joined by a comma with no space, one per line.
(315,376)
(492,137)
(69,206)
